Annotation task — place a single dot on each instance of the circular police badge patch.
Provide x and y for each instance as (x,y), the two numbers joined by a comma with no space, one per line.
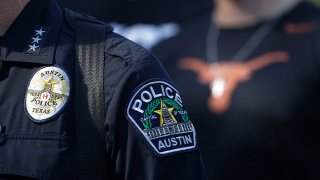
(47,93)
(156,110)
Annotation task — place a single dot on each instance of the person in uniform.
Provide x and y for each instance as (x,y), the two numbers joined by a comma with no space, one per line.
(249,72)
(147,133)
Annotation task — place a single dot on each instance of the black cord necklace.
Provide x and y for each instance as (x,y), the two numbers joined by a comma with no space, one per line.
(218,85)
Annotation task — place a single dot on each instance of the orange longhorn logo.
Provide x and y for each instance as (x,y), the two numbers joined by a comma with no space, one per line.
(232,73)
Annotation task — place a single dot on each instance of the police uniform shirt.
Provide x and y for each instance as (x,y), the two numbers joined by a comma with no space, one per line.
(267,127)
(148,132)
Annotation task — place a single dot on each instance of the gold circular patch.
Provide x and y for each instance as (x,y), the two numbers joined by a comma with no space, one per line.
(47,93)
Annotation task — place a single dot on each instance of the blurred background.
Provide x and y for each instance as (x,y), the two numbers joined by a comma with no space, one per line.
(316,1)
(140,11)
(146,22)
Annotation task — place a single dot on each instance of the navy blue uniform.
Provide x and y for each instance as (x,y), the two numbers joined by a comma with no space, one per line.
(148,133)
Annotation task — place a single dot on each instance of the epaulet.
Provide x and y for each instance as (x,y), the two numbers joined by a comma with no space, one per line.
(71,17)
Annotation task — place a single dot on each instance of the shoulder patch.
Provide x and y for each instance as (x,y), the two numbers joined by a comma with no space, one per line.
(47,93)
(155,109)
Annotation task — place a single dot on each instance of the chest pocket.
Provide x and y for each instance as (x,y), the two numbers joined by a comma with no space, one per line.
(32,145)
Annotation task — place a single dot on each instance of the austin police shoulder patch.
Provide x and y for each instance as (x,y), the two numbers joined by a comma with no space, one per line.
(47,93)
(155,109)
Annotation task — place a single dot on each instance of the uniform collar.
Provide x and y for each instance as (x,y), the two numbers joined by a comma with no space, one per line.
(37,16)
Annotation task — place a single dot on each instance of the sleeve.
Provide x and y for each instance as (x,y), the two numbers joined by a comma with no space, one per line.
(150,135)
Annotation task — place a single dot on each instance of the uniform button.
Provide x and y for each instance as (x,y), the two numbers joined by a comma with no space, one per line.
(2,134)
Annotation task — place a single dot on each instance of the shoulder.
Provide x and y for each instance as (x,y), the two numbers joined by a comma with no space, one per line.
(130,52)
(115,44)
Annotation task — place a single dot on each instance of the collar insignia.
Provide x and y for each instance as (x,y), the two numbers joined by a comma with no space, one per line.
(156,110)
(47,93)
(37,40)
